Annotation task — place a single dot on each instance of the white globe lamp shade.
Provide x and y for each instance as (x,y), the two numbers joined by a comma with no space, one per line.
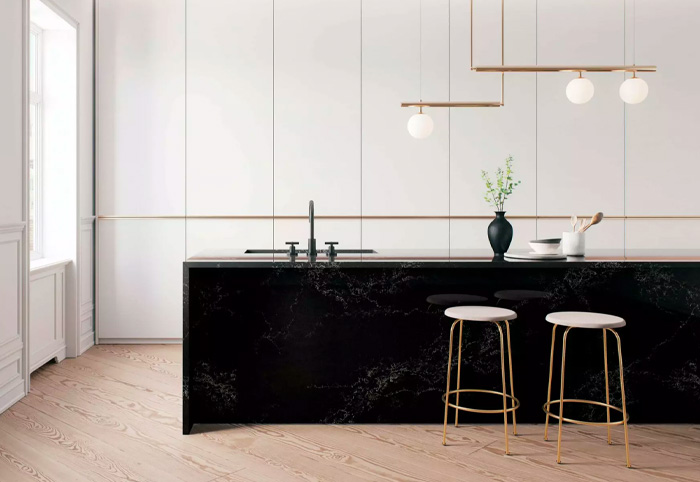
(580,91)
(420,125)
(634,90)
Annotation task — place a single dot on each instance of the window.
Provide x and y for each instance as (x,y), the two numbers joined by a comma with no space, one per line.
(35,141)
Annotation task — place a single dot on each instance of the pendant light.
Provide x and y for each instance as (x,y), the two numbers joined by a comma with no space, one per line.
(580,90)
(420,125)
(634,90)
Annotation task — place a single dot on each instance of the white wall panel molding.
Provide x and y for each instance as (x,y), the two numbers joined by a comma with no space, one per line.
(12,386)
(47,315)
(11,281)
(87,339)
(12,311)
(12,228)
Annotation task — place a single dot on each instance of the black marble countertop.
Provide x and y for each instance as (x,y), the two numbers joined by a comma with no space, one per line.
(436,257)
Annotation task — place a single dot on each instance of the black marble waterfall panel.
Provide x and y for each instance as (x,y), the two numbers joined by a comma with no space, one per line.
(335,343)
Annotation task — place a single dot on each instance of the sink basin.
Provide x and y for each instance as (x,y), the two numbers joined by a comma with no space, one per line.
(265,251)
(355,251)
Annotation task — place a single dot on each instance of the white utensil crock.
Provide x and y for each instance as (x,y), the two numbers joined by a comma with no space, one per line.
(573,244)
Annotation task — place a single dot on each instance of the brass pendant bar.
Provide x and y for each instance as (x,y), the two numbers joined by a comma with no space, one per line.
(564,68)
(451,104)
(500,103)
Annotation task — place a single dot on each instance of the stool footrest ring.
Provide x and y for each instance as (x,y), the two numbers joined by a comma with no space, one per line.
(547,410)
(480,410)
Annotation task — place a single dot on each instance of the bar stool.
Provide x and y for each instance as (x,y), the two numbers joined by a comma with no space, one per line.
(455,299)
(607,323)
(493,315)
(519,295)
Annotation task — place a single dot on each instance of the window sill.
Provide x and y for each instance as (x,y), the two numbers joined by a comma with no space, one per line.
(46,264)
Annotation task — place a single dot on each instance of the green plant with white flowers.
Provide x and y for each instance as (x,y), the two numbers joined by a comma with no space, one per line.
(497,193)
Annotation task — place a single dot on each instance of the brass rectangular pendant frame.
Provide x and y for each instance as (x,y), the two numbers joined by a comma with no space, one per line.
(471,57)
(564,68)
(502,69)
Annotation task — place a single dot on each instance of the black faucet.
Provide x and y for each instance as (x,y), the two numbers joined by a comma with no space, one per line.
(312,241)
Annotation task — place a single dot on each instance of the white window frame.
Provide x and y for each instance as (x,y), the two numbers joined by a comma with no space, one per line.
(36,100)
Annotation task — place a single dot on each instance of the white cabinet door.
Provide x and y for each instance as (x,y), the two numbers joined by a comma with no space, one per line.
(229,107)
(580,147)
(402,175)
(141,107)
(140,279)
(317,106)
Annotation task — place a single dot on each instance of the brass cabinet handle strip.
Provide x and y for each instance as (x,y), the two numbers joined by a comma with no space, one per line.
(389,217)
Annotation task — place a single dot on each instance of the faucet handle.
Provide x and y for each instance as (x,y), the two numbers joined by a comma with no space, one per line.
(331,248)
(292,247)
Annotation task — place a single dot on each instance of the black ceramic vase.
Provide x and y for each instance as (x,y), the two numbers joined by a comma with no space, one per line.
(500,234)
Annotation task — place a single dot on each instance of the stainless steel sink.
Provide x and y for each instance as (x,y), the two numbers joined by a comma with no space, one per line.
(265,251)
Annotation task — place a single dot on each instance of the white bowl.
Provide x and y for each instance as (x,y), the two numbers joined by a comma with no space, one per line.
(545,246)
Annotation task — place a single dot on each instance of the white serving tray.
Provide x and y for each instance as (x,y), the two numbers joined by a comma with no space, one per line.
(535,256)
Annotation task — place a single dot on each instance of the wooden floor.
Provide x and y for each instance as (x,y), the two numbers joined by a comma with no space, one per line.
(114,414)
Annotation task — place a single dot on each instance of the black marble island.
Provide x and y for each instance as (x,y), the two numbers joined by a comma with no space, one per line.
(267,340)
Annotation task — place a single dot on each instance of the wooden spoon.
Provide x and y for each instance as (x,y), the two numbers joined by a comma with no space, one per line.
(583,223)
(597,217)
(574,222)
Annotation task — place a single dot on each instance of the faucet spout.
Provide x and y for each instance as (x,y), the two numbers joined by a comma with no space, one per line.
(312,241)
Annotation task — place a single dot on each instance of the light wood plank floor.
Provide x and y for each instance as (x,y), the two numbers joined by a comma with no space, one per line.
(114,415)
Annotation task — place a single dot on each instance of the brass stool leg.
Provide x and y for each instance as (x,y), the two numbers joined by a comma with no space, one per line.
(607,385)
(549,387)
(447,390)
(459,369)
(561,394)
(503,380)
(510,367)
(624,404)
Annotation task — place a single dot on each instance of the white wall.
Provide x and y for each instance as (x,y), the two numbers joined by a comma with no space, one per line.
(14,373)
(293,100)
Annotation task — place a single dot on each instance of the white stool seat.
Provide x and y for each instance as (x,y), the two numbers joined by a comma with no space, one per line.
(480,313)
(584,319)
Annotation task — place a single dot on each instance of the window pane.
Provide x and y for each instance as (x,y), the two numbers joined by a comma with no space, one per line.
(33,204)
(33,44)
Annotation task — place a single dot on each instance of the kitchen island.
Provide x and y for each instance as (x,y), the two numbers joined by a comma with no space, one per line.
(270,340)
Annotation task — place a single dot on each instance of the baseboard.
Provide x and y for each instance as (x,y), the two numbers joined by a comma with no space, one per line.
(13,395)
(59,354)
(86,341)
(140,341)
